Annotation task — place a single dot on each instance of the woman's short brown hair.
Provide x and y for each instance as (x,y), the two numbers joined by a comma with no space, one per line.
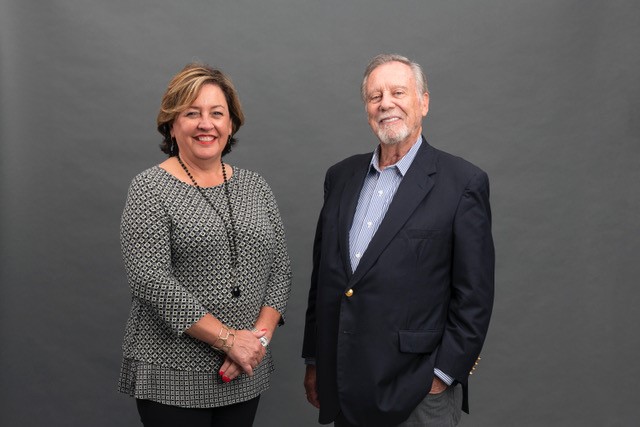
(183,89)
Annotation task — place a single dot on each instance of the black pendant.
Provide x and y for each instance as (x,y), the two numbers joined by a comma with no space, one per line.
(236,292)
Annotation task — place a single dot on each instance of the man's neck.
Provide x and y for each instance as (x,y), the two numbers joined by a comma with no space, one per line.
(391,154)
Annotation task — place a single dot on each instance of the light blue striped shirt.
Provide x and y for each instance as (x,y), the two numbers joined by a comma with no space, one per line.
(378,189)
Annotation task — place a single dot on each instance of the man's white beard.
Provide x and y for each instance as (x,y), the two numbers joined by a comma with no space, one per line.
(391,137)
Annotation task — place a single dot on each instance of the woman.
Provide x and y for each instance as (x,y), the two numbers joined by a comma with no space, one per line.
(205,254)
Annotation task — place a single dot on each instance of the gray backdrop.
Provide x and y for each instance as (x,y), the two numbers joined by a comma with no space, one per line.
(543,95)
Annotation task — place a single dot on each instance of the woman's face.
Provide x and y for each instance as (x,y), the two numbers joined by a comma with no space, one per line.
(202,130)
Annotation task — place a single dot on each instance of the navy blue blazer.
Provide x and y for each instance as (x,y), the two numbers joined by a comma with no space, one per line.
(421,296)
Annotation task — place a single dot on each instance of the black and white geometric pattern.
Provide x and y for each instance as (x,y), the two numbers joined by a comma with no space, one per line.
(176,254)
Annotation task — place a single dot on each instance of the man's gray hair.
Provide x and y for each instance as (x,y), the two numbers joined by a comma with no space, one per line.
(378,60)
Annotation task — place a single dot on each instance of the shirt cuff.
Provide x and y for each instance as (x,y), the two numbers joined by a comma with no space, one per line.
(444,377)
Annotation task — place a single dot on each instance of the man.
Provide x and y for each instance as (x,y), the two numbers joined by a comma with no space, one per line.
(403,268)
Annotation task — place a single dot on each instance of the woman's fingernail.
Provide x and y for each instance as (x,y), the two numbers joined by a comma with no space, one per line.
(220,372)
(226,379)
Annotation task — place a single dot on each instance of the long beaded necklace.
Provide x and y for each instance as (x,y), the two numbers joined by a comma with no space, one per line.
(231,236)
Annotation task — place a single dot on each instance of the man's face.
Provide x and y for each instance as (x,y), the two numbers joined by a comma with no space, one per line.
(394,108)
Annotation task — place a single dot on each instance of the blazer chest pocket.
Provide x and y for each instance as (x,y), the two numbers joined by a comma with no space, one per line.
(419,341)
(416,233)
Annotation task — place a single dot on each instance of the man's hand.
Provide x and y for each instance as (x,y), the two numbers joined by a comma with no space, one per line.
(437,386)
(310,386)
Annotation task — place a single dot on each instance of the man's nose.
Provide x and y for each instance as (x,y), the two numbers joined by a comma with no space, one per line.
(386,103)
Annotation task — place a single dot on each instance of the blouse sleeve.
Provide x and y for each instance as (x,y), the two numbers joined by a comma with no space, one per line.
(279,284)
(145,238)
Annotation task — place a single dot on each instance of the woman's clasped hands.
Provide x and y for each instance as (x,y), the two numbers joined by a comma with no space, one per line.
(244,353)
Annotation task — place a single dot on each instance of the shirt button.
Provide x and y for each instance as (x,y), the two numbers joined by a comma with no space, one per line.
(369,224)
(349,292)
(380,192)
(358,255)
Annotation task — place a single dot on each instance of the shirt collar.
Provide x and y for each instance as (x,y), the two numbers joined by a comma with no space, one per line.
(402,165)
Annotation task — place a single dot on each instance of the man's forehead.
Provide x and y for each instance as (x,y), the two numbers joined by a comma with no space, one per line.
(391,73)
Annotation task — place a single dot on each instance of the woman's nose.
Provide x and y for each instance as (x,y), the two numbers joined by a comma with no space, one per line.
(205,123)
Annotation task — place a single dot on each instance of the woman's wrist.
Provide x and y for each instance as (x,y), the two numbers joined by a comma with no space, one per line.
(226,339)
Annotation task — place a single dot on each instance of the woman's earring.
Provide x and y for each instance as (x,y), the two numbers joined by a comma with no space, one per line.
(174,147)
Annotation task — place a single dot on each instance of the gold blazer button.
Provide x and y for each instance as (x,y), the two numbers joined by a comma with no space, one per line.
(349,292)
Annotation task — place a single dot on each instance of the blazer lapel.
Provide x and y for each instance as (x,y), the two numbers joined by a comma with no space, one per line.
(415,186)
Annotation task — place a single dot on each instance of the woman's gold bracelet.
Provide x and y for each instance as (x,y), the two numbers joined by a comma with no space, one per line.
(227,338)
